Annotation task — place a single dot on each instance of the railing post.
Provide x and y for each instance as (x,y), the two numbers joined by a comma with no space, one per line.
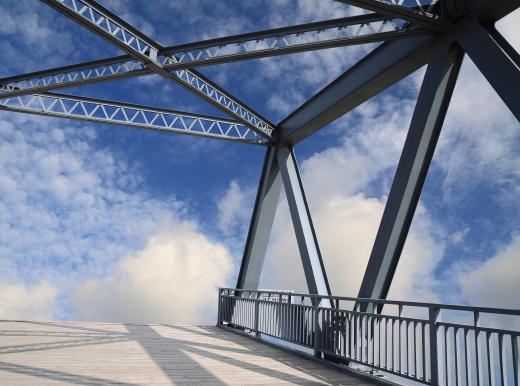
(434,364)
(316,330)
(476,317)
(219,312)
(257,308)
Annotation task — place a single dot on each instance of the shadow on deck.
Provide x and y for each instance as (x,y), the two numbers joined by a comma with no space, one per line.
(46,353)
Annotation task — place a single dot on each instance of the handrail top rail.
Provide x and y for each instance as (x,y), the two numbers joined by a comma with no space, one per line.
(439,306)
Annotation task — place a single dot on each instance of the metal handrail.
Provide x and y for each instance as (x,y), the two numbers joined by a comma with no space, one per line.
(423,349)
(491,310)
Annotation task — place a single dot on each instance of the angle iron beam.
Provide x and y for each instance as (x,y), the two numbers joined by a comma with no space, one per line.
(510,51)
(97,19)
(126,114)
(262,219)
(493,61)
(432,105)
(381,68)
(388,8)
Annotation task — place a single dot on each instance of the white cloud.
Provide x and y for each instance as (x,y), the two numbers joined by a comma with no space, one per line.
(19,301)
(508,27)
(233,208)
(496,281)
(174,278)
(70,211)
(346,226)
(480,138)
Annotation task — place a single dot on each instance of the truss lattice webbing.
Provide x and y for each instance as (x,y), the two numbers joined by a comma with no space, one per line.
(102,22)
(339,32)
(96,110)
(72,76)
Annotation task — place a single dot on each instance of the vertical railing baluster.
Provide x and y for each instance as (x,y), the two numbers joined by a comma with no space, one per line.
(345,330)
(466,348)
(361,338)
(385,328)
(407,345)
(446,355)
(316,328)
(414,326)
(423,350)
(321,328)
(373,326)
(399,325)
(455,352)
(219,311)
(351,336)
(500,358)
(368,335)
(257,311)
(433,313)
(379,341)
(280,324)
(392,320)
(515,355)
(477,354)
(488,357)
(330,342)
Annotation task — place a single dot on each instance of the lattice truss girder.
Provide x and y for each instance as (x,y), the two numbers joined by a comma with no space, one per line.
(352,30)
(67,76)
(97,110)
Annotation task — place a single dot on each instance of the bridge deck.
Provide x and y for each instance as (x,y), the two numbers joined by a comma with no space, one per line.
(57,353)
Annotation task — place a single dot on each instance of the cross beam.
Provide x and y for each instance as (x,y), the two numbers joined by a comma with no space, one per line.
(98,110)
(304,37)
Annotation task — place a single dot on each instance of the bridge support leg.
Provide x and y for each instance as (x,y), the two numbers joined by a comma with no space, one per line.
(425,127)
(261,223)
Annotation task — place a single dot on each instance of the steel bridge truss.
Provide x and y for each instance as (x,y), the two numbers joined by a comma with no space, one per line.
(437,34)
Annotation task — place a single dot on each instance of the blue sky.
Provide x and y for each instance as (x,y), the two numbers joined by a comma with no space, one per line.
(103,222)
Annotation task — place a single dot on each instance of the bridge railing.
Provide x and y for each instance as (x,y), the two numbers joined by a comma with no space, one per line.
(434,344)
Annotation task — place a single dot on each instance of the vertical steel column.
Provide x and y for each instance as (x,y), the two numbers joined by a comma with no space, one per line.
(313,267)
(432,104)
(494,63)
(261,222)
